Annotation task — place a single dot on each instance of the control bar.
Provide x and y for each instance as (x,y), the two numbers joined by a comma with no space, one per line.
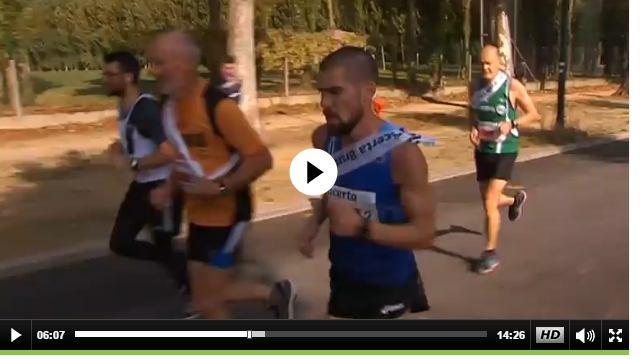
(276,334)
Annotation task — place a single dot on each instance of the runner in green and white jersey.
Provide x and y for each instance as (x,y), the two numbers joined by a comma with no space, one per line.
(495,134)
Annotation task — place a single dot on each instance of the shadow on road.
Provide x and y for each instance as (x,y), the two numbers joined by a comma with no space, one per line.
(606,102)
(529,136)
(435,100)
(41,85)
(54,207)
(456,229)
(470,261)
(616,152)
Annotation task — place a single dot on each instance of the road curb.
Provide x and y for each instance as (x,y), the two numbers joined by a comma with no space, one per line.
(96,249)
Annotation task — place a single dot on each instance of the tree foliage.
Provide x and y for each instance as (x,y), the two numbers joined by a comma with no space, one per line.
(76,33)
(59,34)
(303,49)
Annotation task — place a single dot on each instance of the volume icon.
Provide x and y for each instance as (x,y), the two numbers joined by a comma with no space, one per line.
(584,335)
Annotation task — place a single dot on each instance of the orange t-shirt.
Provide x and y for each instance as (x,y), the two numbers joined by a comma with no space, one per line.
(212,151)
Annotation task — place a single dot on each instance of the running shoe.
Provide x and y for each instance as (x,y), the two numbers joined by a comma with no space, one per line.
(488,262)
(282,299)
(516,209)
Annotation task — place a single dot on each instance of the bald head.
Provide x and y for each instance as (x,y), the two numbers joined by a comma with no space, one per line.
(491,50)
(490,62)
(175,57)
(179,44)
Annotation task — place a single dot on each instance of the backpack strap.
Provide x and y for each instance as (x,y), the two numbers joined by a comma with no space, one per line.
(212,96)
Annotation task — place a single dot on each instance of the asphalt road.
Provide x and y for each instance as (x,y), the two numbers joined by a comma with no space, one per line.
(566,258)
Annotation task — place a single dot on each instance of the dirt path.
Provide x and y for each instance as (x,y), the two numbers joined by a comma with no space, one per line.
(57,187)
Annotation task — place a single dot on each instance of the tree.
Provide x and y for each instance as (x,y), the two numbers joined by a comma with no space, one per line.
(442,33)
(587,28)
(412,16)
(394,30)
(375,24)
(467,29)
(216,44)
(623,87)
(329,6)
(241,43)
(614,35)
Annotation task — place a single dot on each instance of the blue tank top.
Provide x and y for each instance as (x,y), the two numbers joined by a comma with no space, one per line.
(365,261)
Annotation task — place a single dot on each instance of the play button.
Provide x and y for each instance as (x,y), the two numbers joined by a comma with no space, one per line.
(313,172)
(14,335)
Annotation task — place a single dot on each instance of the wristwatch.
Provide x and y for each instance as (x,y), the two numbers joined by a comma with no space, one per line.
(223,190)
(134,164)
(364,231)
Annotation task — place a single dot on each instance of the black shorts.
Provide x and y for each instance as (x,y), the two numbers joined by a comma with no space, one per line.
(364,301)
(494,166)
(219,247)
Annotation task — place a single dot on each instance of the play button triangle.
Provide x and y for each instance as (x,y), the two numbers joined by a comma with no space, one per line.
(312,172)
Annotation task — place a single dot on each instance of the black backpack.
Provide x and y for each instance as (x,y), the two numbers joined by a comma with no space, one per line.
(212,96)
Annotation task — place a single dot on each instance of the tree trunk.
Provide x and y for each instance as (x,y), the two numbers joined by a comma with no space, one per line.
(241,43)
(26,84)
(14,88)
(329,5)
(402,48)
(440,70)
(286,79)
(504,38)
(394,62)
(467,30)
(571,12)
(2,83)
(491,7)
(215,41)
(306,80)
(413,42)
(623,88)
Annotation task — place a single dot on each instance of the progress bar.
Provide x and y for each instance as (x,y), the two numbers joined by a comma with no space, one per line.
(168,334)
(249,334)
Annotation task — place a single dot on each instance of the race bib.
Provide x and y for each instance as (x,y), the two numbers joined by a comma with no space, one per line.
(363,201)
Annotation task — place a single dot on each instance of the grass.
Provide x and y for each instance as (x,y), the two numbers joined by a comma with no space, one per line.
(73,91)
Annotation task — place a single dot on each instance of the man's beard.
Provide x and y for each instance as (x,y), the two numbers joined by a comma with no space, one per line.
(345,128)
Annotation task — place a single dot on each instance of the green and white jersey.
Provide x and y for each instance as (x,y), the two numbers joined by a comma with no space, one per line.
(491,105)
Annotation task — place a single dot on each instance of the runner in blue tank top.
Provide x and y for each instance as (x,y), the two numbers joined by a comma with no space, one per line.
(381,207)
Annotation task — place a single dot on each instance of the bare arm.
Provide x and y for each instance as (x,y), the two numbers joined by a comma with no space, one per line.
(252,167)
(474,132)
(524,102)
(163,156)
(410,171)
(318,140)
(312,225)
(470,113)
(256,158)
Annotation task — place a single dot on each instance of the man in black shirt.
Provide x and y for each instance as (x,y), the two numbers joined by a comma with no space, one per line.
(144,149)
